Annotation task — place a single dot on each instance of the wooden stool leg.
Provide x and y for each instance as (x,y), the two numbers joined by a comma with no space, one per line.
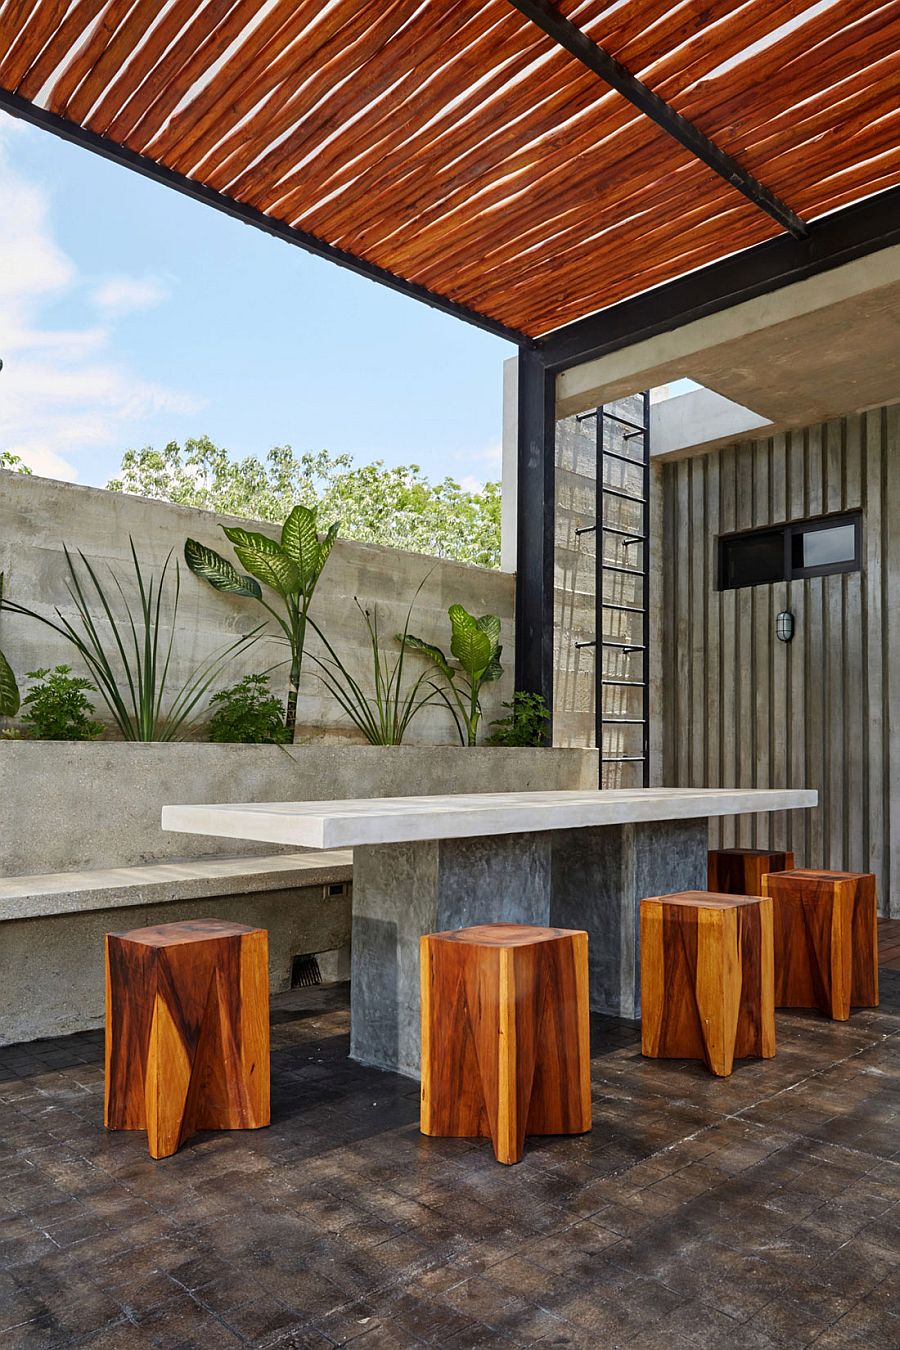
(505,1041)
(756,1021)
(864,943)
(707,983)
(187,1037)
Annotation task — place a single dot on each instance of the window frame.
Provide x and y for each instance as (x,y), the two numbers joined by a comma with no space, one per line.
(799,527)
(790,529)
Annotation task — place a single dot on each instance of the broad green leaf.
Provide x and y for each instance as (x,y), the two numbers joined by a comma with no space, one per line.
(266,560)
(206,563)
(490,624)
(326,544)
(471,647)
(416,644)
(300,540)
(493,670)
(9,690)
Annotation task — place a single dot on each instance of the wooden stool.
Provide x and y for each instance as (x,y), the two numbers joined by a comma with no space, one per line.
(826,940)
(187,1030)
(739,871)
(707,985)
(505,1034)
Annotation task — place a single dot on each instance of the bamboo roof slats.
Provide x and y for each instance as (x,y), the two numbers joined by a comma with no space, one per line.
(457,147)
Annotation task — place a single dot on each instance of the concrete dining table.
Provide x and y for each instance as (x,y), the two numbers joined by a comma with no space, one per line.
(423,864)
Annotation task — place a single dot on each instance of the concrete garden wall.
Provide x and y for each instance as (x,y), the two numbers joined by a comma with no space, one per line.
(69,804)
(39,515)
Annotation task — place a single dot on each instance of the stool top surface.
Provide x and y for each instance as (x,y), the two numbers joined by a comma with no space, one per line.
(819,874)
(504,934)
(703,900)
(750,852)
(190,930)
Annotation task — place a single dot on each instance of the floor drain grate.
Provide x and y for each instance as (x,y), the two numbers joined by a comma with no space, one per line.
(305,971)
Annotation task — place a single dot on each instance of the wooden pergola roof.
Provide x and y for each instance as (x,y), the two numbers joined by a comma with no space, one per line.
(516,161)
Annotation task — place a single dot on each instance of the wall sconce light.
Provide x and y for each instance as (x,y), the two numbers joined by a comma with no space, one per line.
(784,626)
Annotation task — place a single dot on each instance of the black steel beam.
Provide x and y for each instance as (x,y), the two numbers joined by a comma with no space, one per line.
(853,232)
(249,215)
(536,527)
(548,18)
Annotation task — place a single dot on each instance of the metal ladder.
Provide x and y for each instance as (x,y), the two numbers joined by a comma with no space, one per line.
(629,432)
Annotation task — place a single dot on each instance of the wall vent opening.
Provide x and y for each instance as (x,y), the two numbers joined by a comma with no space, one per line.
(305,971)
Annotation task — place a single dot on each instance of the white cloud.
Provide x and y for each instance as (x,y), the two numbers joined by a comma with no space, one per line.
(490,461)
(63,390)
(123,295)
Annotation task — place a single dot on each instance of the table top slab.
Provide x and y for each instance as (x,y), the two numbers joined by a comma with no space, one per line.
(395,820)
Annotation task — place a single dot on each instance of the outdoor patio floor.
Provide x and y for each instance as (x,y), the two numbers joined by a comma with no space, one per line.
(758,1210)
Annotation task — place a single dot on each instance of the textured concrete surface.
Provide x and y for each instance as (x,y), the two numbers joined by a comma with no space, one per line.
(70,806)
(52,973)
(588,878)
(459,815)
(820,348)
(757,1212)
(38,515)
(33,897)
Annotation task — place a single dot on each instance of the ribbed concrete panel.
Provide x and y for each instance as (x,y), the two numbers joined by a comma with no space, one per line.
(741,708)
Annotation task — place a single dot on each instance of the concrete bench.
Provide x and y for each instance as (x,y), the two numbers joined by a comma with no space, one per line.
(52,925)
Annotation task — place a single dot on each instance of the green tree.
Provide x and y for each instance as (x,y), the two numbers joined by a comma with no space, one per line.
(372,503)
(12,462)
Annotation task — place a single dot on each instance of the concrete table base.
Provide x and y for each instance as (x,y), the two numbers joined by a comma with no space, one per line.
(590,878)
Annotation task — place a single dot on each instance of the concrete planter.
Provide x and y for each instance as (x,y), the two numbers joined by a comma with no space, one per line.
(79,805)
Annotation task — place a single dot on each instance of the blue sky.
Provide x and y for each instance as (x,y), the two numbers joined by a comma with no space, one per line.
(130,315)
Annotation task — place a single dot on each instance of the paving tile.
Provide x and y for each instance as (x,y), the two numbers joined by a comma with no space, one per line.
(759,1211)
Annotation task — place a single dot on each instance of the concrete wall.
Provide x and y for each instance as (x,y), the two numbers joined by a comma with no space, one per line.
(38,516)
(52,968)
(69,805)
(743,709)
(574,668)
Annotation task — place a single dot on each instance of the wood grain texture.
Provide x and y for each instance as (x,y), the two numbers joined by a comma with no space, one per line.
(505,1034)
(826,940)
(707,978)
(187,1030)
(739,871)
(459,147)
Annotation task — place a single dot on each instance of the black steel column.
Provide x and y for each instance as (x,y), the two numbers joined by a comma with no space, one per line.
(536,527)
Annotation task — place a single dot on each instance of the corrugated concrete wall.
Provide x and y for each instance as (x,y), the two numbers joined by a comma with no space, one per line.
(39,515)
(823,711)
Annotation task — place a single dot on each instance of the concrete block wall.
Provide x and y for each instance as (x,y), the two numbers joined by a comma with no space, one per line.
(39,515)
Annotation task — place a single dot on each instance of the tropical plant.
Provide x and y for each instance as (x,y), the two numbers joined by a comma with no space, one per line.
(58,707)
(290,568)
(526,722)
(476,645)
(248,712)
(384,715)
(12,462)
(9,690)
(374,503)
(132,655)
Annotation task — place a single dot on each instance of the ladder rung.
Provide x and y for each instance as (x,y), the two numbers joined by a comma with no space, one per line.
(623,421)
(625,496)
(624,609)
(616,567)
(592,642)
(585,529)
(626,459)
(625,646)
(628,534)
(622,759)
(624,721)
(632,684)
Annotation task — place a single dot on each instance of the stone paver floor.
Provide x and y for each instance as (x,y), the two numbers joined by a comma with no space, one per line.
(761,1210)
